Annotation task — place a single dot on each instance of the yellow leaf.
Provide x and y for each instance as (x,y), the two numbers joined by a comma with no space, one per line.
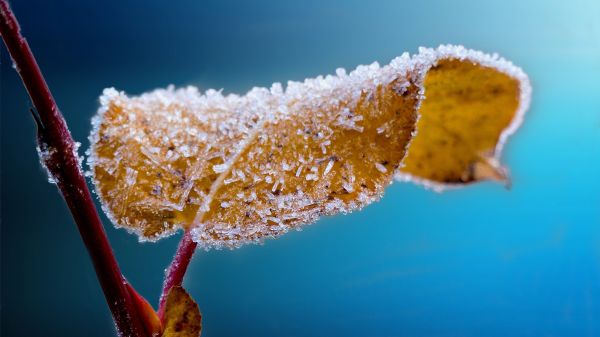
(237,169)
(182,316)
(470,109)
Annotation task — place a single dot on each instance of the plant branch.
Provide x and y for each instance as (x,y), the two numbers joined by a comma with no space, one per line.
(176,271)
(59,155)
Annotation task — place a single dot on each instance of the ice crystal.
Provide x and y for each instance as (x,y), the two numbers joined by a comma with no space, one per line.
(45,152)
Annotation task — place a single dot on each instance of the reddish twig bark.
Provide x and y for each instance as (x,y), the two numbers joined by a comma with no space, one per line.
(176,271)
(59,154)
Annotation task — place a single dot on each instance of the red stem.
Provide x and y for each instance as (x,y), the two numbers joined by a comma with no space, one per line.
(62,163)
(176,271)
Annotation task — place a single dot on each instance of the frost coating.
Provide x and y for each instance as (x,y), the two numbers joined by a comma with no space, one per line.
(237,169)
(45,152)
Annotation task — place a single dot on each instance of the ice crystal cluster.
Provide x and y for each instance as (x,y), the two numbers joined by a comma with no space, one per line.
(237,169)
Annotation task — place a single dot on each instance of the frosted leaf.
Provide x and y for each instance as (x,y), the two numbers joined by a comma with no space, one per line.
(238,169)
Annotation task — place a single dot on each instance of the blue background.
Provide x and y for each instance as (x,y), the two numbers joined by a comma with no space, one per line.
(480,261)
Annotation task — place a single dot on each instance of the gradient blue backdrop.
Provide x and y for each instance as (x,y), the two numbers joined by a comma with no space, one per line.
(480,261)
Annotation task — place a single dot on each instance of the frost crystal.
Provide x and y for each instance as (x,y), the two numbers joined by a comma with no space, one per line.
(380,167)
(328,167)
(220,168)
(45,153)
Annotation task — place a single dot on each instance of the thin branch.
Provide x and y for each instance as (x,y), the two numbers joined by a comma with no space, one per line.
(59,154)
(176,271)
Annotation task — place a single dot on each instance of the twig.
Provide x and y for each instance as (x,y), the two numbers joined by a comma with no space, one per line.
(59,154)
(176,271)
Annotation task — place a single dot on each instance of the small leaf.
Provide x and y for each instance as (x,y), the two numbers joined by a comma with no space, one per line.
(182,316)
(237,169)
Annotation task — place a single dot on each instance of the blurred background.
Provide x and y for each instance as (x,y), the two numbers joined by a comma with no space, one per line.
(479,261)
